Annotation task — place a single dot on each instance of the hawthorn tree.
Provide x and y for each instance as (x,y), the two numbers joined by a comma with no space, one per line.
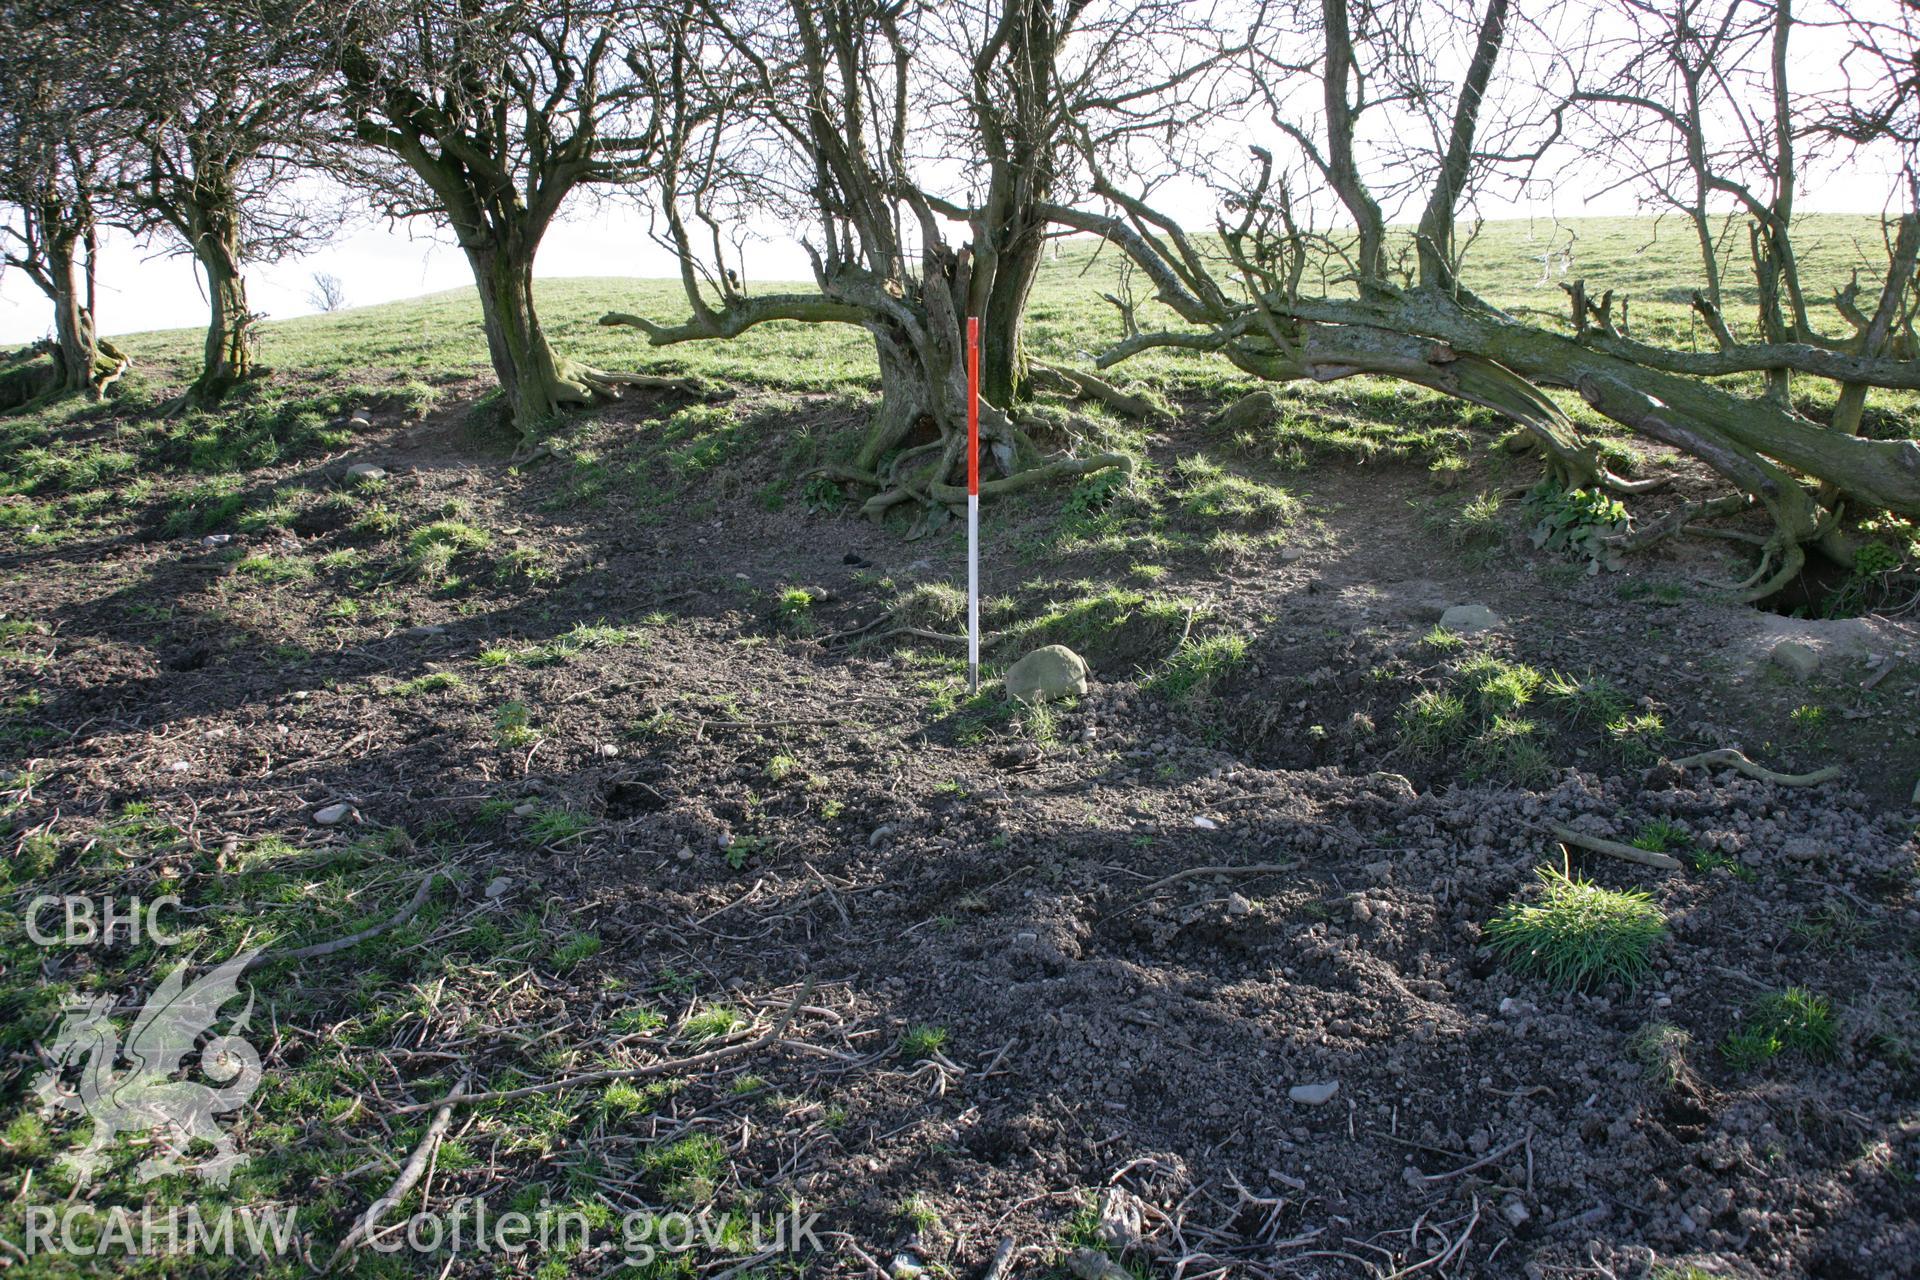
(486,116)
(50,183)
(1773,405)
(874,127)
(215,129)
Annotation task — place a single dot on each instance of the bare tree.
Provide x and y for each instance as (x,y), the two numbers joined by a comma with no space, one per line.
(50,177)
(215,127)
(1427,327)
(487,116)
(327,293)
(844,120)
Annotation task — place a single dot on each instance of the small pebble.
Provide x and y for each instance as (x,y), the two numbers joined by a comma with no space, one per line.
(332,815)
(1313,1095)
(497,886)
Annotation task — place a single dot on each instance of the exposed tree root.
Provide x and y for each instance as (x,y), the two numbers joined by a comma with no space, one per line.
(1041,474)
(1728,758)
(609,383)
(1087,386)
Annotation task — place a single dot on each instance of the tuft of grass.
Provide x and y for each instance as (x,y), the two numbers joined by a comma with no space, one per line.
(1579,935)
(1499,687)
(1661,1050)
(432,682)
(688,1171)
(556,826)
(922,1042)
(575,950)
(712,1021)
(513,725)
(1833,927)
(432,549)
(274,568)
(1508,748)
(1637,737)
(1792,1021)
(1442,639)
(793,611)
(1207,491)
(918,1212)
(1192,671)
(1433,720)
(1590,701)
(1661,836)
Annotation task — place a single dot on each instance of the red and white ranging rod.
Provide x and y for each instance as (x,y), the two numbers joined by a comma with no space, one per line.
(973,504)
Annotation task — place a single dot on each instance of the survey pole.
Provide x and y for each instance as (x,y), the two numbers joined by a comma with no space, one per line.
(973,504)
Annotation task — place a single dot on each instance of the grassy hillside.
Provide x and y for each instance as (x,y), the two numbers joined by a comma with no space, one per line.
(438,338)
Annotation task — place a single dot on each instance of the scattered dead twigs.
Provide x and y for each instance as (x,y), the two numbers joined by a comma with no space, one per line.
(1613,848)
(698,1060)
(409,1174)
(399,918)
(1728,758)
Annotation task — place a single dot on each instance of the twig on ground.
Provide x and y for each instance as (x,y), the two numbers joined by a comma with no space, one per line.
(409,1174)
(399,918)
(1002,1256)
(1613,848)
(1481,1163)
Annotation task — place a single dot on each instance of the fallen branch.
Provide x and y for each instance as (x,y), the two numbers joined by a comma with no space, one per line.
(409,1174)
(399,918)
(1613,848)
(1728,758)
(631,1073)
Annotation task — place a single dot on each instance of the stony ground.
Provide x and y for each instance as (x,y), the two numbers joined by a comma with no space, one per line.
(698,774)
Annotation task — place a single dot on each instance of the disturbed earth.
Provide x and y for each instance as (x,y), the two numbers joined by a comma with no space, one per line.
(1174,978)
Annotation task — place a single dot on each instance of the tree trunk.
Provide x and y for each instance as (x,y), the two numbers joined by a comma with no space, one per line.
(76,352)
(1004,373)
(228,354)
(907,400)
(534,382)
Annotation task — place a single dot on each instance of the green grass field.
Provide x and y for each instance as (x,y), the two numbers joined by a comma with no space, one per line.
(1653,263)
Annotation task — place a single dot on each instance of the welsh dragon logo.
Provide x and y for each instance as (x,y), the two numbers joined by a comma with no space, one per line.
(142,1097)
